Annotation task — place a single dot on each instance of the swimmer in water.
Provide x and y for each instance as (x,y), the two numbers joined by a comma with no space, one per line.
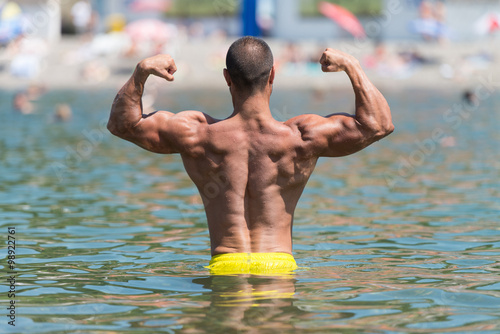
(250,169)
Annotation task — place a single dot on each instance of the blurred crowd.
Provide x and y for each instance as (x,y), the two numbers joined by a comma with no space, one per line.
(99,42)
(431,24)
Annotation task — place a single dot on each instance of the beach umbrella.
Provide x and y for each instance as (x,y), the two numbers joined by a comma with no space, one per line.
(150,5)
(150,30)
(488,24)
(343,17)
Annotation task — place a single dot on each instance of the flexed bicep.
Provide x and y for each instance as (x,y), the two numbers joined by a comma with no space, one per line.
(343,134)
(150,131)
(167,133)
(159,132)
(333,136)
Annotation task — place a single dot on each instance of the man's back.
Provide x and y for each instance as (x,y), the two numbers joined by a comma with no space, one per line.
(250,174)
(250,169)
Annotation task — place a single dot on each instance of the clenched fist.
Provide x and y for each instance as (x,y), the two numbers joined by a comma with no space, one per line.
(162,66)
(336,61)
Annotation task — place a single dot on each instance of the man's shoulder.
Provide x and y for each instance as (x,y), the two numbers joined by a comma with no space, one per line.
(190,129)
(306,129)
(196,116)
(304,122)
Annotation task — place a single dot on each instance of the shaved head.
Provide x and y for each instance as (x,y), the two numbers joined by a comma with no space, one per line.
(249,62)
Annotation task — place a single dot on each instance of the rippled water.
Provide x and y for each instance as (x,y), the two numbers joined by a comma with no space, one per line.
(403,237)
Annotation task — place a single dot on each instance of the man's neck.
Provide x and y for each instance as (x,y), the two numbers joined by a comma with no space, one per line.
(254,106)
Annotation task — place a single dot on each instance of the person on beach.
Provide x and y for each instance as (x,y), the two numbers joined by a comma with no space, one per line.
(250,169)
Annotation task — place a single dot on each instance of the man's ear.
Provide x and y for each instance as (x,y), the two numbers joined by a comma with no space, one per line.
(271,76)
(227,77)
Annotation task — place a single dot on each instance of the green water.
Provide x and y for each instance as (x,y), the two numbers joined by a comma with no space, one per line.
(401,238)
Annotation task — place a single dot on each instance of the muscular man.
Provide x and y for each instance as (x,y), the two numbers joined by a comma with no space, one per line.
(260,165)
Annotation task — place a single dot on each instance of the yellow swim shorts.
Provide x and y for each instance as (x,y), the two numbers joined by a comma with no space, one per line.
(252,263)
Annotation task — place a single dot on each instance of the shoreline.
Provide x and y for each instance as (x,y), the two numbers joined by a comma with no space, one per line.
(200,63)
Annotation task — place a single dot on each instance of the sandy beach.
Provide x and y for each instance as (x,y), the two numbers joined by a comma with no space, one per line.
(200,64)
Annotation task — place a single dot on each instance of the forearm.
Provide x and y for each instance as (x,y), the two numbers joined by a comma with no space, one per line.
(126,111)
(372,110)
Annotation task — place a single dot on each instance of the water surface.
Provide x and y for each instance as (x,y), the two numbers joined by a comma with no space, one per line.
(400,238)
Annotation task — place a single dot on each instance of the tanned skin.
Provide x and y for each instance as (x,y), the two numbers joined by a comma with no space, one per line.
(249,168)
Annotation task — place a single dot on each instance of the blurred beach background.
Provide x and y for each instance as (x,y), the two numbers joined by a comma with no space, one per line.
(94,45)
(403,237)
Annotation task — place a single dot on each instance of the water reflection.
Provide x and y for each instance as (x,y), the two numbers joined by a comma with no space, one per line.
(244,302)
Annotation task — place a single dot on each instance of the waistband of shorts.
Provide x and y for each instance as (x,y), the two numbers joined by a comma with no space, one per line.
(252,263)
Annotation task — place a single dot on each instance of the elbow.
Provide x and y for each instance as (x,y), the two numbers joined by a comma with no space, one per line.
(111,128)
(114,129)
(383,131)
(120,129)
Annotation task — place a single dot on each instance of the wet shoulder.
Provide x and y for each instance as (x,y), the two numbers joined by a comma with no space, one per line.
(305,127)
(304,123)
(190,129)
(197,117)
